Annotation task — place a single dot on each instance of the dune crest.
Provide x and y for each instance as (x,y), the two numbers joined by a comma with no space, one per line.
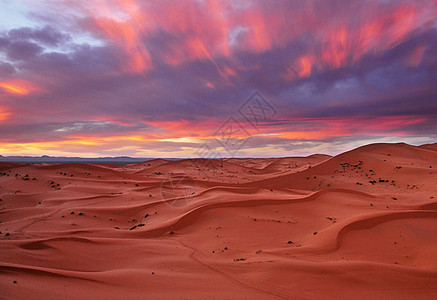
(358,225)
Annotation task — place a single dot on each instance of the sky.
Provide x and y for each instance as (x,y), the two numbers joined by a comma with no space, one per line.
(215,78)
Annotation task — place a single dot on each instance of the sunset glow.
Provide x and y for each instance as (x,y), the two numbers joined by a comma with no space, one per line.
(17,86)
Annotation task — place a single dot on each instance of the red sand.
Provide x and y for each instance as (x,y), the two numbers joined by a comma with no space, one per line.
(287,228)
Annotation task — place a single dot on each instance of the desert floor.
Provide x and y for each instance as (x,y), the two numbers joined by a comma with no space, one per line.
(360,225)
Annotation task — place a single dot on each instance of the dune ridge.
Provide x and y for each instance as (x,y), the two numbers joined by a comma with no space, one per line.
(357,225)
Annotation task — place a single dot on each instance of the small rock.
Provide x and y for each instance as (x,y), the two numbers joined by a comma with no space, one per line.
(240,259)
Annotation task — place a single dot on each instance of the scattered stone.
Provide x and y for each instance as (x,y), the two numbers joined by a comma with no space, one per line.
(135,226)
(240,259)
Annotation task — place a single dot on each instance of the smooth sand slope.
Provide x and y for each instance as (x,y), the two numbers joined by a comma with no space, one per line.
(360,225)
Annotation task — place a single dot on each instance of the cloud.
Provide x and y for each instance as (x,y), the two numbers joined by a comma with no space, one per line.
(173,70)
(23,50)
(6,70)
(46,36)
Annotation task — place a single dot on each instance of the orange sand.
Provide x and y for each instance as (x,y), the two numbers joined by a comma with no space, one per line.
(360,225)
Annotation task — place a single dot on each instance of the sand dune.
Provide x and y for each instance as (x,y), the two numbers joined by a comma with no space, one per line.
(358,225)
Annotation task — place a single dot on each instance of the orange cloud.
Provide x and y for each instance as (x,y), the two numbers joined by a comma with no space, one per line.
(337,49)
(18,86)
(260,37)
(309,135)
(184,128)
(340,45)
(127,36)
(203,26)
(305,65)
(125,24)
(3,114)
(416,56)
